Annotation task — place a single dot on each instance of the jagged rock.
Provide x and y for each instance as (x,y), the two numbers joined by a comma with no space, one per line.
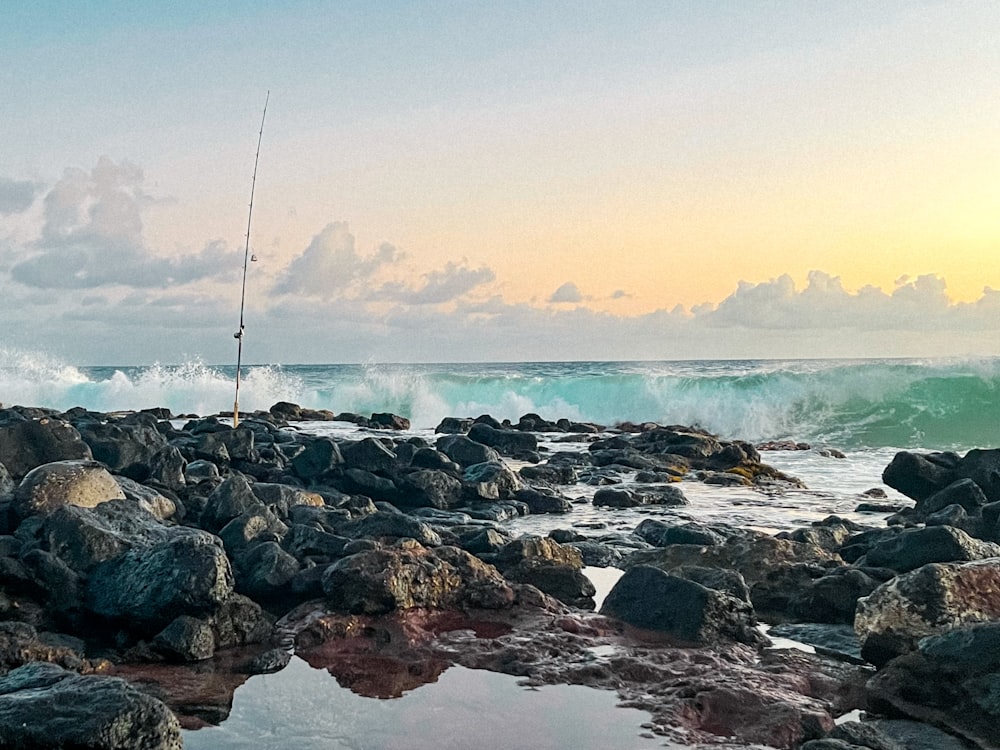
(543,501)
(263,571)
(920,475)
(663,533)
(383,525)
(983,468)
(508,442)
(949,680)
(650,598)
(148,587)
(929,600)
(45,706)
(156,504)
(913,548)
(567,584)
(282,497)
(390,421)
(490,481)
(317,459)
(302,542)
(963,492)
(186,639)
(82,483)
(199,471)
(252,527)
(368,454)
(21,644)
(33,442)
(430,488)
(531,547)
(227,501)
(126,449)
(400,578)
(454,425)
(549,472)
(465,452)
(751,554)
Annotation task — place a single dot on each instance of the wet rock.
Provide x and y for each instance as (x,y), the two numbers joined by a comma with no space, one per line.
(920,475)
(430,488)
(507,442)
(45,706)
(927,601)
(664,533)
(983,468)
(126,449)
(84,484)
(389,421)
(962,492)
(399,578)
(21,644)
(634,497)
(320,457)
(390,526)
(186,639)
(949,680)
(27,443)
(148,587)
(838,641)
(753,555)
(540,500)
(913,548)
(566,583)
(549,472)
(490,481)
(454,425)
(466,452)
(230,499)
(650,598)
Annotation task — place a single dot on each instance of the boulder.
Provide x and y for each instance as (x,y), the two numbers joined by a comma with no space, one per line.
(490,481)
(186,639)
(983,468)
(147,587)
(382,525)
(81,483)
(263,571)
(541,501)
(126,449)
(913,548)
(963,492)
(949,680)
(45,706)
(663,533)
(647,597)
(368,454)
(33,442)
(319,457)
(466,452)
(508,442)
(920,475)
(230,499)
(927,601)
(639,495)
(430,488)
(381,581)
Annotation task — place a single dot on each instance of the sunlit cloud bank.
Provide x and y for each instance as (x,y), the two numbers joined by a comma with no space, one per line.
(87,283)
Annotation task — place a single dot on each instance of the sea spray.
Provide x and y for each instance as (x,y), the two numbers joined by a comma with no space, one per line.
(850,404)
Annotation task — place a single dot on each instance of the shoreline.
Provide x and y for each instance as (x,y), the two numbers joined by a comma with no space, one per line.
(389,550)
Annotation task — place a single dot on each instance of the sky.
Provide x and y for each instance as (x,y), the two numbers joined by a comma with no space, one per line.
(456,181)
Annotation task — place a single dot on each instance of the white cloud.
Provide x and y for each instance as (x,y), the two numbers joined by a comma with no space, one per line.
(445,285)
(567,293)
(332,264)
(92,236)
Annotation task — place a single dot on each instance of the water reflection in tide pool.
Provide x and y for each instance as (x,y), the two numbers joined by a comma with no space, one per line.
(306,709)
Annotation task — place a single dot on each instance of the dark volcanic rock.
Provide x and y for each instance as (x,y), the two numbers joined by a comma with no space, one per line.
(649,598)
(30,443)
(950,680)
(919,475)
(400,578)
(915,547)
(926,601)
(508,442)
(81,483)
(149,587)
(44,706)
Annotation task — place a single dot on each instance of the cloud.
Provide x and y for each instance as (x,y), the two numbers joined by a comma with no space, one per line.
(332,264)
(445,285)
(16,195)
(568,292)
(919,303)
(92,236)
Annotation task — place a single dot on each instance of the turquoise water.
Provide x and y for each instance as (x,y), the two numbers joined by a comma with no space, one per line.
(851,404)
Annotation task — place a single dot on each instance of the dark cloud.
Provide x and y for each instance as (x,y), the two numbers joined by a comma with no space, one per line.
(92,237)
(568,292)
(16,195)
(331,264)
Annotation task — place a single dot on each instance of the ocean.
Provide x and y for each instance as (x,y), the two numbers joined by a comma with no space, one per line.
(865,409)
(846,404)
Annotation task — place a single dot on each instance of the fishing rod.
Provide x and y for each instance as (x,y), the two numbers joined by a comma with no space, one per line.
(247,257)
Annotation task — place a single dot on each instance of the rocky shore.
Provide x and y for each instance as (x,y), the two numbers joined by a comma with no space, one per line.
(150,565)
